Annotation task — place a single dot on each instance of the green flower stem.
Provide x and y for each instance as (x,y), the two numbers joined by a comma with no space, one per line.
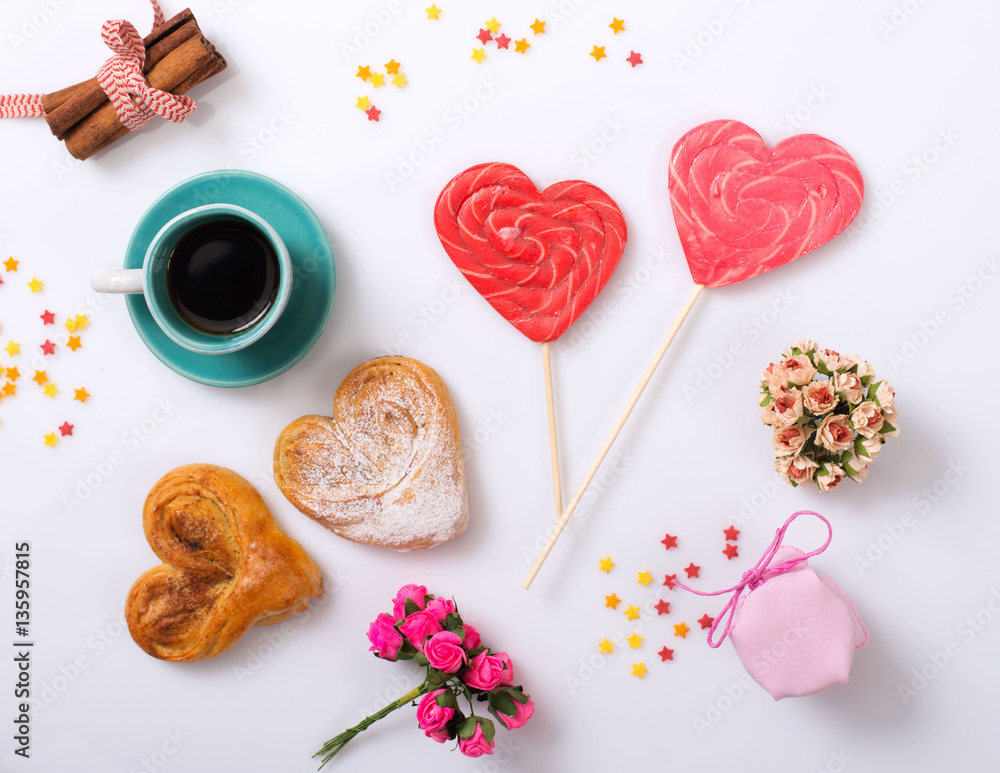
(334,745)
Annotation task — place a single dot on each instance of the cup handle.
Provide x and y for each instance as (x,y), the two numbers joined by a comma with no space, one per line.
(120,281)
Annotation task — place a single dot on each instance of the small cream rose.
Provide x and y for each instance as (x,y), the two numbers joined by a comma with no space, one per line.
(867,418)
(786,408)
(799,369)
(872,446)
(829,481)
(835,433)
(864,368)
(797,469)
(830,358)
(806,345)
(851,386)
(860,467)
(892,417)
(819,398)
(885,395)
(789,441)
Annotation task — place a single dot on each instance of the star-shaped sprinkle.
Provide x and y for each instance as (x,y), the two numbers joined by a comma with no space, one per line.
(598,53)
(607,564)
(363,103)
(48,318)
(612,601)
(666,654)
(493,25)
(399,80)
(662,607)
(377,79)
(70,324)
(732,533)
(392,67)
(669,542)
(80,394)
(478,55)
(681,630)
(670,580)
(51,440)
(373,113)
(13,374)
(634,59)
(35,284)
(731,551)
(632,612)
(50,390)
(706,621)
(618,25)
(81,321)
(65,429)
(364,72)
(639,670)
(12,348)
(484,36)
(74,343)
(521,46)
(433,12)
(10,264)
(538,27)
(9,389)
(645,578)
(48,347)
(692,569)
(40,377)
(606,647)
(503,41)
(634,641)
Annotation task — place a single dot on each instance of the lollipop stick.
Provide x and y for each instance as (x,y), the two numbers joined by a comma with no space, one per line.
(550,405)
(609,441)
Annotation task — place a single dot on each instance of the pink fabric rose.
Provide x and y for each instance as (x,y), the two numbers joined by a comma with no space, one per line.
(415,593)
(438,735)
(384,637)
(484,672)
(418,626)
(472,640)
(507,680)
(440,608)
(523,712)
(475,745)
(431,717)
(444,652)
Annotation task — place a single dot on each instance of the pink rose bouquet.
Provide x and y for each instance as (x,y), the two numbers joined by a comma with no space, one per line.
(829,415)
(429,630)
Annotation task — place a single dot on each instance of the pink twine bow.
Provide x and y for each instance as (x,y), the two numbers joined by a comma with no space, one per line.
(759,574)
(122,78)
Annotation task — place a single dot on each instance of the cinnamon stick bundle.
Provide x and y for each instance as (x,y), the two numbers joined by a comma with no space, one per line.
(178,57)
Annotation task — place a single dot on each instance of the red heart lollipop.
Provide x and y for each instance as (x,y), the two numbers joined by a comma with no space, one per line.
(538,258)
(742,208)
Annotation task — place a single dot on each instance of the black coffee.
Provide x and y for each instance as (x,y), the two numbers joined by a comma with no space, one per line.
(222,276)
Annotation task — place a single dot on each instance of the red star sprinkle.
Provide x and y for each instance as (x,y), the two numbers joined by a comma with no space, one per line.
(484,36)
(48,347)
(666,654)
(669,542)
(670,580)
(731,551)
(373,113)
(662,607)
(502,41)
(48,318)
(692,569)
(732,533)
(66,429)
(706,621)
(634,59)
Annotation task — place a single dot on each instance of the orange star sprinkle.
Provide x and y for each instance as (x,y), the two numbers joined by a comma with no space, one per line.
(10,264)
(618,25)
(598,53)
(392,67)
(681,630)
(521,46)
(612,601)
(364,72)
(9,389)
(40,377)
(80,394)
(13,374)
(538,27)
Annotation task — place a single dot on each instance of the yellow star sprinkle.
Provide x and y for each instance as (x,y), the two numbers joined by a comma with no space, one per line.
(478,55)
(618,25)
(50,390)
(51,440)
(598,53)
(522,45)
(632,612)
(363,103)
(40,377)
(399,80)
(364,72)
(377,79)
(81,321)
(9,389)
(10,264)
(493,25)
(71,324)
(392,67)
(13,348)
(681,630)
(35,284)
(538,27)
(80,394)
(645,578)
(639,670)
(612,601)
(634,641)
(605,647)
(607,564)
(433,12)
(13,374)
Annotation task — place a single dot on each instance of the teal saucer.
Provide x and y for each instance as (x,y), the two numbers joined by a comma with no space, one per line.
(314,279)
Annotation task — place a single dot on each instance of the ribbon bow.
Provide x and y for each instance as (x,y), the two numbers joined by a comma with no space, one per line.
(122,78)
(759,574)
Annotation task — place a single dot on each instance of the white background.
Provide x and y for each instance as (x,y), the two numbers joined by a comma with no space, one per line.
(688,463)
